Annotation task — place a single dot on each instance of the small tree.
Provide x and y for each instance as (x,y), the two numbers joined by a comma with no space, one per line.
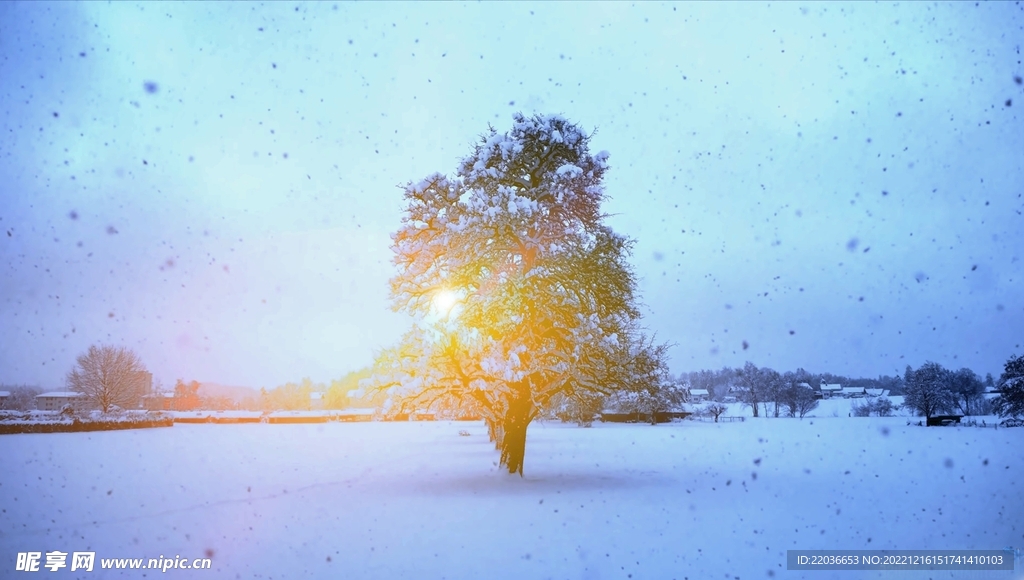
(928,389)
(861,409)
(108,376)
(715,409)
(880,406)
(1010,402)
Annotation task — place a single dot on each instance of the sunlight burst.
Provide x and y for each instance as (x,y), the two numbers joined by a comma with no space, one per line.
(444,301)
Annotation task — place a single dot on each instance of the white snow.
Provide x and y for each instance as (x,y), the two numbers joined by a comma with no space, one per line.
(417,500)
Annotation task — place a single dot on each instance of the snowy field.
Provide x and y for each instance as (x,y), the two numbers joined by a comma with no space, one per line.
(417,500)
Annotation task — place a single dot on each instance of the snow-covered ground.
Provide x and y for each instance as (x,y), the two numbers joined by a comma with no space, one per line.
(417,500)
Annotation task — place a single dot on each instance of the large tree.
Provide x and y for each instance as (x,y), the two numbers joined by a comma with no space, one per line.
(752,382)
(109,376)
(799,400)
(1010,402)
(967,389)
(521,291)
(928,389)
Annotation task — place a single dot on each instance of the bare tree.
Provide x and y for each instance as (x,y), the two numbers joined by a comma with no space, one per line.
(750,379)
(109,376)
(21,398)
(715,410)
(799,400)
(773,388)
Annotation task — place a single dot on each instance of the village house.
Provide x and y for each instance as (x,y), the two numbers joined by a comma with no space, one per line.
(830,390)
(852,392)
(55,401)
(699,395)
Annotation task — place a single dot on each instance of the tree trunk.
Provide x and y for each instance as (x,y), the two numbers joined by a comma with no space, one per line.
(513,444)
(495,433)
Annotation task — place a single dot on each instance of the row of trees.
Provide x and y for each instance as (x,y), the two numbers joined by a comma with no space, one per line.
(932,390)
(720,383)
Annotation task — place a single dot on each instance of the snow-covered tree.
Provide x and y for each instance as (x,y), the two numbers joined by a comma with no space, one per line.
(761,386)
(799,400)
(651,390)
(928,389)
(521,290)
(109,376)
(967,389)
(1010,402)
(581,408)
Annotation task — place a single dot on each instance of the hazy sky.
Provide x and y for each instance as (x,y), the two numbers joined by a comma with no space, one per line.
(841,186)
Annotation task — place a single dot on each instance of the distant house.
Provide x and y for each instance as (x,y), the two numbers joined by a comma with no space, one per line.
(874,392)
(5,399)
(55,401)
(852,392)
(830,390)
(699,395)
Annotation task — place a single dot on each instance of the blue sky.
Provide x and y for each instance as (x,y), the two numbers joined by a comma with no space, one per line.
(840,186)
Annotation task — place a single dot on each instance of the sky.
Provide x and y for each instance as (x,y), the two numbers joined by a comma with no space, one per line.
(837,187)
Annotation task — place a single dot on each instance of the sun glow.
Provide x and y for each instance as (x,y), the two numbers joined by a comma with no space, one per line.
(444,301)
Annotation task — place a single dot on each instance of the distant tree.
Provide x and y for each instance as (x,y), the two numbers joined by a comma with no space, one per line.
(1010,402)
(725,378)
(750,381)
(337,393)
(893,384)
(989,381)
(928,389)
(218,403)
(880,406)
(968,389)
(22,398)
(289,397)
(109,376)
(799,400)
(186,396)
(651,390)
(579,407)
(860,408)
(883,407)
(715,409)
(773,388)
